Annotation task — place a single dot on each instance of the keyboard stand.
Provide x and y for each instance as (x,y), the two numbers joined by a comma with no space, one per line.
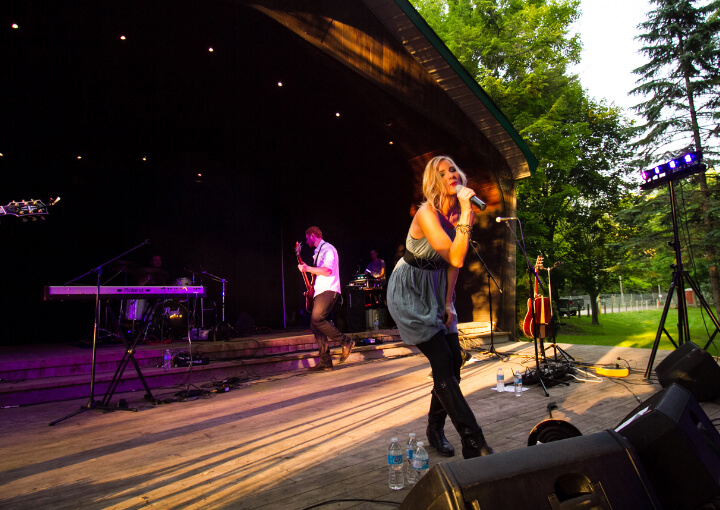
(128,356)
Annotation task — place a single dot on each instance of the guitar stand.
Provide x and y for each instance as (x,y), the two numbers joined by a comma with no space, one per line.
(537,374)
(550,368)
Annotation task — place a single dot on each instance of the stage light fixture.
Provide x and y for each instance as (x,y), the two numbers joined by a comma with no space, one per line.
(672,170)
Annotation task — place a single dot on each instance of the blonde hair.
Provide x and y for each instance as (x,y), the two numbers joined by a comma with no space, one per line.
(434,187)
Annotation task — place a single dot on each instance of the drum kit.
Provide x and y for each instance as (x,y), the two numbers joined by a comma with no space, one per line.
(164,320)
(159,320)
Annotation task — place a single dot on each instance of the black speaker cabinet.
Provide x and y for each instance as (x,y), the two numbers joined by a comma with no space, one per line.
(693,368)
(600,471)
(678,446)
(355,303)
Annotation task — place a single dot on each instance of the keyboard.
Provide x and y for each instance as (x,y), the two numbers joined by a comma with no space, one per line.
(121,292)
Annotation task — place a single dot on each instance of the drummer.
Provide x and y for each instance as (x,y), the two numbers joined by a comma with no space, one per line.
(154,274)
(376,267)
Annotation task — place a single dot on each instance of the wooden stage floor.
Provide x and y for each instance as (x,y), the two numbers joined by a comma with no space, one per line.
(286,442)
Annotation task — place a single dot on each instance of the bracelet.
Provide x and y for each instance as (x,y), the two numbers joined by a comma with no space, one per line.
(463,228)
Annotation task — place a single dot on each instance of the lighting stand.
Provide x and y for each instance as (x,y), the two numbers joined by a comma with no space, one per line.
(491,351)
(679,277)
(91,404)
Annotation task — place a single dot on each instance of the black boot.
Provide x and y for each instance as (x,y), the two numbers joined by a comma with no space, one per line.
(454,403)
(436,424)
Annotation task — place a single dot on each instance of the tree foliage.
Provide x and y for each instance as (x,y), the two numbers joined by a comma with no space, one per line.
(519,51)
(681,81)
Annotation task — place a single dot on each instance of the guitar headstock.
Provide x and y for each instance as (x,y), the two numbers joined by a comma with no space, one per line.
(298,247)
(27,208)
(541,260)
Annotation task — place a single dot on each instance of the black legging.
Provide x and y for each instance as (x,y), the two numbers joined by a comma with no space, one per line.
(445,355)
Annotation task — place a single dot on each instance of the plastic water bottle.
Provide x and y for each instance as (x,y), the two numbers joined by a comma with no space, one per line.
(518,384)
(421,461)
(395,466)
(410,448)
(377,324)
(167,359)
(500,381)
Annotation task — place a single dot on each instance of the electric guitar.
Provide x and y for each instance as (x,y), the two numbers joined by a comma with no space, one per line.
(309,282)
(543,310)
(27,209)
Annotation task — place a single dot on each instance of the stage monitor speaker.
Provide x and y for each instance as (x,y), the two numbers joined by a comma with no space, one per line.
(600,471)
(678,446)
(355,303)
(693,368)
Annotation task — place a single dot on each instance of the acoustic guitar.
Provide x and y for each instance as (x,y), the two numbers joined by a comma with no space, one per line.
(309,281)
(543,310)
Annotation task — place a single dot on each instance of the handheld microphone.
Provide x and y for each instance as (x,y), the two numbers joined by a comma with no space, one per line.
(509,218)
(475,200)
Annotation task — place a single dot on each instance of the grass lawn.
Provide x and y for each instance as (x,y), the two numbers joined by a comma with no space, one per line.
(637,329)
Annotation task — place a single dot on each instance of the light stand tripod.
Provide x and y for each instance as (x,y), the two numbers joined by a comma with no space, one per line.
(491,351)
(91,404)
(679,277)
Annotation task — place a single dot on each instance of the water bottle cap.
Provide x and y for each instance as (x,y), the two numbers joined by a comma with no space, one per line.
(394,440)
(412,434)
(420,443)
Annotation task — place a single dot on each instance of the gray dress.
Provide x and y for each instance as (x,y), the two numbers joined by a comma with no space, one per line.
(416,297)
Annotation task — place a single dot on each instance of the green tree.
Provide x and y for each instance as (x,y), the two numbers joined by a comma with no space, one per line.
(682,83)
(519,51)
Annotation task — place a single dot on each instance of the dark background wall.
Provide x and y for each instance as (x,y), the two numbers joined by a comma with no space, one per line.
(147,115)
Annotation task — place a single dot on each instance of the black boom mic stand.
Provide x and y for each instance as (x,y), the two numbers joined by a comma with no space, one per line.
(91,403)
(491,351)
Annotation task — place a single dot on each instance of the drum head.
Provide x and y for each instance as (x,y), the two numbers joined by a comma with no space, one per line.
(182,282)
(170,320)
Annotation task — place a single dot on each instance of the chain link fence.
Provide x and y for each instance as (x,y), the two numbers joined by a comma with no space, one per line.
(613,303)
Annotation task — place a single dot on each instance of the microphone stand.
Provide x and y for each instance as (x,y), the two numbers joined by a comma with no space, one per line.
(531,270)
(91,404)
(491,351)
(222,324)
(197,327)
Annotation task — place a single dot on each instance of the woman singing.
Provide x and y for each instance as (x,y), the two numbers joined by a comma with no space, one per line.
(421,299)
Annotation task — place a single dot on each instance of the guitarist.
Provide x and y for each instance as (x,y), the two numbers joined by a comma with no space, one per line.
(327,290)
